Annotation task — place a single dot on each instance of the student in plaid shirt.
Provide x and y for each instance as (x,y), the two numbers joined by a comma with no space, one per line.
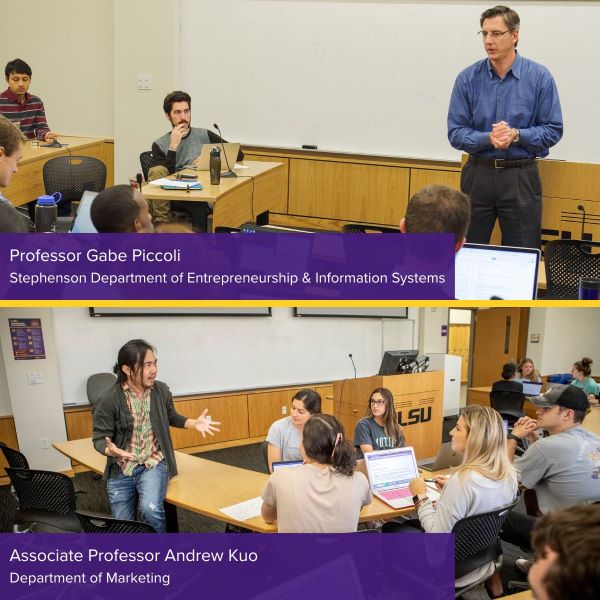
(131,427)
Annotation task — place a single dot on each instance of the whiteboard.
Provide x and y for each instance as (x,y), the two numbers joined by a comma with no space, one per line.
(370,77)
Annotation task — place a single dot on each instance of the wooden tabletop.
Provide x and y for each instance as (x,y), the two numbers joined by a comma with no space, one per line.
(33,150)
(205,486)
(211,193)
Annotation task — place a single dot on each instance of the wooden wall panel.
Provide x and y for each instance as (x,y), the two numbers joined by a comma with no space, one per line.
(8,435)
(420,178)
(283,207)
(350,191)
(458,345)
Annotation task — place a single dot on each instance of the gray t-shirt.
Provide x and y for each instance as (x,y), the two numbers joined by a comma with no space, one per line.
(564,468)
(311,499)
(283,435)
(369,432)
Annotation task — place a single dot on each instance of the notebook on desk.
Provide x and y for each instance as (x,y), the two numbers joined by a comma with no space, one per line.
(390,472)
(231,152)
(484,272)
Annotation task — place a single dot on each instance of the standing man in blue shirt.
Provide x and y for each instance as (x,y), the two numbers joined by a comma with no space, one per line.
(505,113)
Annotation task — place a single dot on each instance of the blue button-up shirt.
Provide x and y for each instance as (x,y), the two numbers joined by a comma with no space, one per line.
(527,99)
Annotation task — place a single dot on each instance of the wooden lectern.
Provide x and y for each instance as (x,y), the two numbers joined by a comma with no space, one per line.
(418,398)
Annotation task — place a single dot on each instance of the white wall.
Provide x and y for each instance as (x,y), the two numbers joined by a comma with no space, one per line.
(69,46)
(460,316)
(431,339)
(566,336)
(37,409)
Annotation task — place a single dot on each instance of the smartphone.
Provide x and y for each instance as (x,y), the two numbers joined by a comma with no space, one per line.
(186,176)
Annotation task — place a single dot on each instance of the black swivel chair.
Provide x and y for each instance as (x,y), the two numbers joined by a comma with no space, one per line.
(368,228)
(264,448)
(146,162)
(566,261)
(477,543)
(71,176)
(44,497)
(99,524)
(14,458)
(508,404)
(97,384)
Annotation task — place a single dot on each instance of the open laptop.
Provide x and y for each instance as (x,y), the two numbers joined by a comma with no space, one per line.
(390,472)
(83,221)
(532,388)
(231,152)
(485,272)
(445,458)
(286,463)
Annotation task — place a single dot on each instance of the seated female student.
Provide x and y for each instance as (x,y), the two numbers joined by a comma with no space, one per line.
(526,371)
(581,372)
(285,434)
(485,481)
(379,429)
(325,494)
(508,383)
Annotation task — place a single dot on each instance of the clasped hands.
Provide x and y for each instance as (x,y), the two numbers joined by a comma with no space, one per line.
(527,428)
(502,135)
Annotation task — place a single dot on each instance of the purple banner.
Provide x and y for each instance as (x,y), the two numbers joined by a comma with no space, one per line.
(265,567)
(260,266)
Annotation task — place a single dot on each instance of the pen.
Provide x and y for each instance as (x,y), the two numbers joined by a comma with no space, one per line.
(429,480)
(188,188)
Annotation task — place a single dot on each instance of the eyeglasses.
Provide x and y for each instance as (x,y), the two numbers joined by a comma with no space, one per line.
(377,402)
(494,34)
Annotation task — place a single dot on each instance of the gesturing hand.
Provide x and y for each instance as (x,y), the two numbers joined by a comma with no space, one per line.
(116,452)
(205,425)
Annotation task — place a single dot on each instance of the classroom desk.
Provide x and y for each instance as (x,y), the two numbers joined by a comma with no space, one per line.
(204,486)
(521,596)
(27,183)
(235,201)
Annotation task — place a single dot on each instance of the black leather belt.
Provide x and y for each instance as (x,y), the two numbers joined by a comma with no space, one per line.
(499,163)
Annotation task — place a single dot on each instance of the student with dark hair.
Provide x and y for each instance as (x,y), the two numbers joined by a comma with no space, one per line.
(121,209)
(508,383)
(325,494)
(379,429)
(177,149)
(582,371)
(21,107)
(131,428)
(438,209)
(563,468)
(567,554)
(285,434)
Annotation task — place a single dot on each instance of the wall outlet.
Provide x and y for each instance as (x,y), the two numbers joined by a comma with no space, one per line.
(144,82)
(45,443)
(284,410)
(35,377)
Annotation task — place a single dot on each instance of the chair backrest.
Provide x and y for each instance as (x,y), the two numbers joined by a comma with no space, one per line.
(264,448)
(566,261)
(477,539)
(508,403)
(367,228)
(14,458)
(73,175)
(97,384)
(43,491)
(146,162)
(96,524)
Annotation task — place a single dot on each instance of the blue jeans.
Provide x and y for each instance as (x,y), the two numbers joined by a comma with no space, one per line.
(150,485)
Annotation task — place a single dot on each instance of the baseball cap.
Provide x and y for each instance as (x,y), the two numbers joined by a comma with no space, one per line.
(567,396)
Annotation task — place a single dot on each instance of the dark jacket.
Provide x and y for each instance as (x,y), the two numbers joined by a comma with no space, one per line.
(112,418)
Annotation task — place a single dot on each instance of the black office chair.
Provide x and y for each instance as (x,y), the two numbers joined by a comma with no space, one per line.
(97,384)
(368,228)
(46,498)
(566,261)
(146,162)
(14,458)
(508,404)
(477,543)
(264,448)
(100,524)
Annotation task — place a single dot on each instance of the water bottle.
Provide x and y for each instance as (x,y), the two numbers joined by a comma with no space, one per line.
(215,166)
(46,212)
(589,288)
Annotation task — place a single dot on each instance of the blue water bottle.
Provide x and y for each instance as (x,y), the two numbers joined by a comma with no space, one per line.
(589,288)
(46,213)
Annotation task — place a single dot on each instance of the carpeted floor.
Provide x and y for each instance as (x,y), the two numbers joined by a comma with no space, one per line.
(248,457)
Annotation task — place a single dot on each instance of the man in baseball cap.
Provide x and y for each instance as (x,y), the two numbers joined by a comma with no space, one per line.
(562,468)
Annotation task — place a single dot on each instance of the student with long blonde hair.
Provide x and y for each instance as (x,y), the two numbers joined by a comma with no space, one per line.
(485,481)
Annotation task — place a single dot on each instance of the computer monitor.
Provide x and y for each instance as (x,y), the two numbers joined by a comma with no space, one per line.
(496,272)
(399,361)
